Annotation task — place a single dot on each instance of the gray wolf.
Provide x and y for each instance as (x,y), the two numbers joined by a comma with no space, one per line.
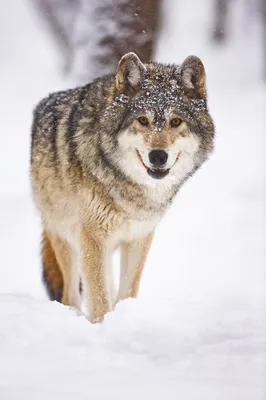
(107,160)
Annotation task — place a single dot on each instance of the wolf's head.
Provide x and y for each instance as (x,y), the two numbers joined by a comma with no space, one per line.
(164,130)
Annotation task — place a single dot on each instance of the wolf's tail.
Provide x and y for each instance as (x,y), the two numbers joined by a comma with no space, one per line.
(52,275)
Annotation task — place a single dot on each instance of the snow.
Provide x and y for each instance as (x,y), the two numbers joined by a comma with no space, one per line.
(198,328)
(160,350)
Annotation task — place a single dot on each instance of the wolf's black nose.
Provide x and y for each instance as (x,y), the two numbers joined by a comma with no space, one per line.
(158,157)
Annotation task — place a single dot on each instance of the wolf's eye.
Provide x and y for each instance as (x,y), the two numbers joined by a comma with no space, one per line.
(175,122)
(143,121)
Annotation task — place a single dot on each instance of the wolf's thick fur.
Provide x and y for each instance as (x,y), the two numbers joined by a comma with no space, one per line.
(95,182)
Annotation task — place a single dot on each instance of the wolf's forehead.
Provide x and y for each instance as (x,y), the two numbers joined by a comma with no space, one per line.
(159,101)
(163,92)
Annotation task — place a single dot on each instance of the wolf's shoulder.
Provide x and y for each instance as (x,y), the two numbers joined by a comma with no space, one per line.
(50,103)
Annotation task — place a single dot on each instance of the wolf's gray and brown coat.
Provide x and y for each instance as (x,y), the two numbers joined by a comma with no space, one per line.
(107,159)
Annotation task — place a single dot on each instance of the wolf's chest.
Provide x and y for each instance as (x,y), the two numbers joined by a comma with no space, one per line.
(133,230)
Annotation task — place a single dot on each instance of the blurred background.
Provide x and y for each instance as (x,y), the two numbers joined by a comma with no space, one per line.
(211,245)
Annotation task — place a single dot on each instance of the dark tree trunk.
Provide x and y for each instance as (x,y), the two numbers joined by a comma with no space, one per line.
(137,25)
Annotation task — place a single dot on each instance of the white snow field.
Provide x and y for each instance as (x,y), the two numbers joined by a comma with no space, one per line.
(198,329)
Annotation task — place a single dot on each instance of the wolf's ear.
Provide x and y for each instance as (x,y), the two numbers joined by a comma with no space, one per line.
(193,77)
(129,73)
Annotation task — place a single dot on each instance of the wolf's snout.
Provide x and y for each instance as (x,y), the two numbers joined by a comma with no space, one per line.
(158,158)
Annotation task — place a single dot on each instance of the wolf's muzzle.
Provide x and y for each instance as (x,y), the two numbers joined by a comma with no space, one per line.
(158,159)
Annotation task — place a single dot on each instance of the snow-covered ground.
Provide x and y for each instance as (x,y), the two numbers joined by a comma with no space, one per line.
(198,328)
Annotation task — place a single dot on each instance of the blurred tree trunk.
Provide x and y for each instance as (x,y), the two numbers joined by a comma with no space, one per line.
(264,37)
(93,35)
(135,30)
(222,13)
(220,20)
(60,18)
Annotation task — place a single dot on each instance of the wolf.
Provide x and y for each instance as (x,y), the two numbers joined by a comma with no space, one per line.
(107,160)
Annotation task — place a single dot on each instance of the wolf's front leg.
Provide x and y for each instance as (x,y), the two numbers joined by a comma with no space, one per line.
(133,258)
(94,273)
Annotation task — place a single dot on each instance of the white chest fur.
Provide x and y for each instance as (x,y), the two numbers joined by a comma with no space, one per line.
(133,230)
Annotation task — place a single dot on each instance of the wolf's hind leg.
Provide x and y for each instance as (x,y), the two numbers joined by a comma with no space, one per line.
(133,258)
(70,271)
(51,273)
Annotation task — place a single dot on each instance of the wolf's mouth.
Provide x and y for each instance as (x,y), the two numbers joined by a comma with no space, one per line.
(156,173)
